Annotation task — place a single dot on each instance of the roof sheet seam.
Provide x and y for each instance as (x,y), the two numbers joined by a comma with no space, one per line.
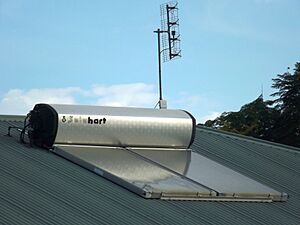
(185,210)
(251,218)
(241,150)
(54,196)
(262,155)
(82,183)
(270,144)
(251,172)
(224,149)
(23,209)
(287,211)
(42,211)
(226,145)
(124,205)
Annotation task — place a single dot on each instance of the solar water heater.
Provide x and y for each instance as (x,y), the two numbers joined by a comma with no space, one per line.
(146,151)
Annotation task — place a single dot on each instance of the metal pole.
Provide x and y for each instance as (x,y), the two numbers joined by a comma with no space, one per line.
(159,64)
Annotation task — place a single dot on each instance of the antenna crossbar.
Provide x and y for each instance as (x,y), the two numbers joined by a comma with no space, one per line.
(168,37)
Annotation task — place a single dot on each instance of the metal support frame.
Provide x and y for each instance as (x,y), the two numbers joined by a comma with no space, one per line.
(170,28)
(162,103)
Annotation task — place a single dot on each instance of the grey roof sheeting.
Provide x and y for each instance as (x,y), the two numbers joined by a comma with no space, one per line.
(39,187)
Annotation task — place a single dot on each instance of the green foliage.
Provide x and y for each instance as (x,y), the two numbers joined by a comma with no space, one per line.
(277,120)
(254,119)
(287,128)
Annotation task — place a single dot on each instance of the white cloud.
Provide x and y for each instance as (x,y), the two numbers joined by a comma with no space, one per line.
(136,94)
(187,100)
(19,101)
(202,107)
(210,116)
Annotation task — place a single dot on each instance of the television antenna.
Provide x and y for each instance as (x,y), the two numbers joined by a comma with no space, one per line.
(168,40)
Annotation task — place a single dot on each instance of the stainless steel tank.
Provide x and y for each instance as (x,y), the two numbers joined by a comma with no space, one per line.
(111,126)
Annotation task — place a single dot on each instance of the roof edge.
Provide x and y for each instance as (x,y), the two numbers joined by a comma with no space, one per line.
(16,118)
(251,139)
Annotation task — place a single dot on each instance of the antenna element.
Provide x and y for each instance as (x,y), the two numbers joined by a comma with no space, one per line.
(169,37)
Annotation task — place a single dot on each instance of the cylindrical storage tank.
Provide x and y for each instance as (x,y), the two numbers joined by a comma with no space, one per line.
(111,126)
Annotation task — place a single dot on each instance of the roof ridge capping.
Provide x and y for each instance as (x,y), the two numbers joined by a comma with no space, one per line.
(237,136)
(12,118)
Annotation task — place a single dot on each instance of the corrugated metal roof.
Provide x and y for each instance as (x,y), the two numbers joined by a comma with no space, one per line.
(39,187)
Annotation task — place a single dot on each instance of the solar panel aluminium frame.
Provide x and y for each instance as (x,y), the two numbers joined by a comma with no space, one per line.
(154,177)
(169,184)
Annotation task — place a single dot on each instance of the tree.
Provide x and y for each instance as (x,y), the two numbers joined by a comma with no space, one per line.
(287,128)
(280,123)
(255,119)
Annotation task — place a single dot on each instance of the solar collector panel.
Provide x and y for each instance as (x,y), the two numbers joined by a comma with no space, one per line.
(133,172)
(223,180)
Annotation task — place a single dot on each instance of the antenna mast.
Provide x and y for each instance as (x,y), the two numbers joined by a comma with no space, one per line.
(169,37)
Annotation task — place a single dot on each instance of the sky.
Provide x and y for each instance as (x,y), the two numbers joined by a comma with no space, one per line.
(105,53)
